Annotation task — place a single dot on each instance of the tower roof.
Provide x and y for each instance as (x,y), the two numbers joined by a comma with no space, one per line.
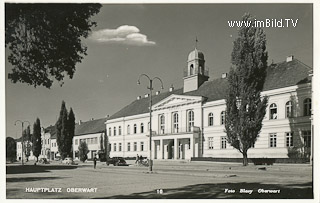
(195,54)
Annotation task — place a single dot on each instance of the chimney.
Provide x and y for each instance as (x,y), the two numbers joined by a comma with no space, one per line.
(80,122)
(146,95)
(157,92)
(92,119)
(289,58)
(171,88)
(138,97)
(224,75)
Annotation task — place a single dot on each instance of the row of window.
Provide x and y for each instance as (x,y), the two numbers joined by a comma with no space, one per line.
(118,147)
(135,129)
(93,140)
(175,122)
(223,142)
(53,144)
(273,112)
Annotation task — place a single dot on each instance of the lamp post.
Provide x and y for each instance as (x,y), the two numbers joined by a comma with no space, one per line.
(150,111)
(22,122)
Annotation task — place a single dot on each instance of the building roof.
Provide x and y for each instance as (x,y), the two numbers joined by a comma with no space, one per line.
(90,127)
(280,75)
(52,130)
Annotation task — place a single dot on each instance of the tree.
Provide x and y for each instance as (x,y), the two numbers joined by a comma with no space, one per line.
(11,149)
(65,127)
(36,138)
(245,107)
(62,131)
(45,40)
(83,151)
(27,142)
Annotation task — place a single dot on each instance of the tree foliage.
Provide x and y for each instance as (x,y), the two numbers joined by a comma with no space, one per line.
(27,141)
(83,151)
(245,107)
(36,138)
(65,131)
(11,149)
(45,40)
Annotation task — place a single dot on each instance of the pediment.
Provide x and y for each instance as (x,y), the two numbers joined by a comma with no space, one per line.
(176,100)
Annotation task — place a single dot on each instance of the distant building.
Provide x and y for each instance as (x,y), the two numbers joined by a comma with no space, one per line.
(189,122)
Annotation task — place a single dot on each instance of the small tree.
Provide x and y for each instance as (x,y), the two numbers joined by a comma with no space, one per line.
(36,139)
(62,132)
(245,108)
(70,132)
(11,151)
(27,142)
(83,151)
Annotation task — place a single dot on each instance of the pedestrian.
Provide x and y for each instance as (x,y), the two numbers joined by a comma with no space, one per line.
(94,162)
(137,158)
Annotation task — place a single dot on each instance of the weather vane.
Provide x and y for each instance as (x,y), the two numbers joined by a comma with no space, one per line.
(196,42)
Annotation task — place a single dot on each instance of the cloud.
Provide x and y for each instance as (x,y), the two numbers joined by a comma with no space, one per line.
(124,34)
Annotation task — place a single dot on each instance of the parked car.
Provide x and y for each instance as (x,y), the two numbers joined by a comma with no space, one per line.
(43,161)
(68,161)
(117,161)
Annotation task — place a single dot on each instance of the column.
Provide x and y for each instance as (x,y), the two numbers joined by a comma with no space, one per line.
(153,149)
(192,146)
(176,148)
(161,149)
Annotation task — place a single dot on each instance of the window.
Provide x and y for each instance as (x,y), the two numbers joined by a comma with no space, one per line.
(76,142)
(210,119)
(128,146)
(109,131)
(141,146)
(114,131)
(135,146)
(224,142)
(134,128)
(273,140)
(307,107)
(210,139)
(191,69)
(162,124)
(307,138)
(95,140)
(141,128)
(120,147)
(115,147)
(289,140)
(190,120)
(289,109)
(119,129)
(89,141)
(128,129)
(273,111)
(223,117)
(175,123)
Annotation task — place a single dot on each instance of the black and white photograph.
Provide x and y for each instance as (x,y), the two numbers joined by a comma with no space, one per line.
(159,100)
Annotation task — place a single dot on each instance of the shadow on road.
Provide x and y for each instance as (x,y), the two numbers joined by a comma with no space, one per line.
(36,169)
(27,179)
(212,191)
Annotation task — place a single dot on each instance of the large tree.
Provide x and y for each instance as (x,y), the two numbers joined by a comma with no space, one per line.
(36,138)
(245,106)
(45,40)
(65,128)
(11,151)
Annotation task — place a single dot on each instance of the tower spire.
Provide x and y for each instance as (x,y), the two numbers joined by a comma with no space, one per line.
(196,42)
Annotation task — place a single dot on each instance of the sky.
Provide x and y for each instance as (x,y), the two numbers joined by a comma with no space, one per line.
(155,39)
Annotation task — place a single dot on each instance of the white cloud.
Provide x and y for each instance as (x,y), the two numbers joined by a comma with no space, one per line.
(124,34)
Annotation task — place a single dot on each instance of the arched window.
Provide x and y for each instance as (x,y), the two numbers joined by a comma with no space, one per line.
(210,119)
(114,131)
(119,130)
(128,129)
(134,128)
(175,122)
(141,128)
(190,121)
(161,124)
(289,109)
(191,69)
(222,117)
(273,111)
(307,107)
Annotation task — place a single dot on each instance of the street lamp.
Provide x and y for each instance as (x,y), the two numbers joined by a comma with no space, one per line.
(150,111)
(22,122)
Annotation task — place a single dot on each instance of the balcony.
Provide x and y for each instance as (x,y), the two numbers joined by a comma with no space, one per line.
(179,130)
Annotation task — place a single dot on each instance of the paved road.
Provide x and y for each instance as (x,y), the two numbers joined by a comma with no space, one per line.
(176,179)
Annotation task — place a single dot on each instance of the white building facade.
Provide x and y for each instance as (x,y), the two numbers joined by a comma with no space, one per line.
(189,122)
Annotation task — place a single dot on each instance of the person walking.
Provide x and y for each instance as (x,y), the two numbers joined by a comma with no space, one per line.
(94,162)
(137,158)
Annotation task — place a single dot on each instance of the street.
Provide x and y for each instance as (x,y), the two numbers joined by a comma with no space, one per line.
(169,179)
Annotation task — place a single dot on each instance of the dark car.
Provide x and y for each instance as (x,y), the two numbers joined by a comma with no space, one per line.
(43,161)
(116,161)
